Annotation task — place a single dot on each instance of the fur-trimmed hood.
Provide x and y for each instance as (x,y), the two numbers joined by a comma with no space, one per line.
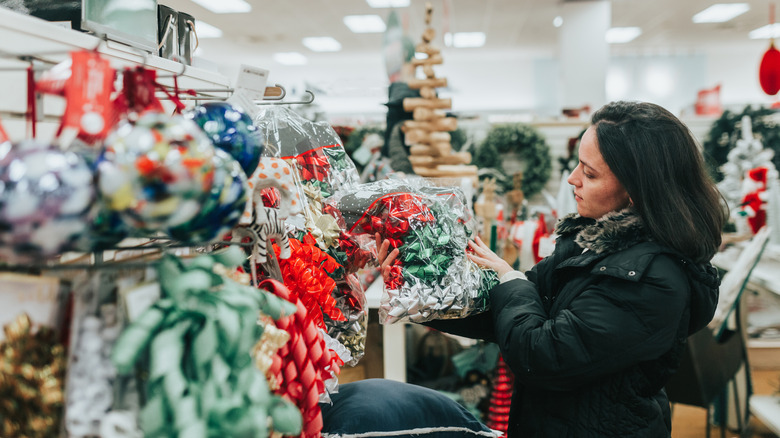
(613,232)
(620,230)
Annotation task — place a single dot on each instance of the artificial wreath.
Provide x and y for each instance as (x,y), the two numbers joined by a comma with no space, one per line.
(725,132)
(524,141)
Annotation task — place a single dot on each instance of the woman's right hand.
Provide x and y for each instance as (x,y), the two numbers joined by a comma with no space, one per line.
(384,260)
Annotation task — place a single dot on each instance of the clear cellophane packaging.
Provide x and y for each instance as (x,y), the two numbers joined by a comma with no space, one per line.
(431,278)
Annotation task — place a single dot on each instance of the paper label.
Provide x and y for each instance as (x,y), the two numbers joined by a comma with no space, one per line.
(251,81)
(140,298)
(242,101)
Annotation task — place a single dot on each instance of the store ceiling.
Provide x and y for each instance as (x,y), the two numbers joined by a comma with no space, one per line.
(280,25)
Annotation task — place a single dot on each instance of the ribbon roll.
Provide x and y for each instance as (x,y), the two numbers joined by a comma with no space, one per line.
(305,361)
(197,341)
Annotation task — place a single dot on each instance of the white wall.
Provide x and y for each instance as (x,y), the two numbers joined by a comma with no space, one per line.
(517,81)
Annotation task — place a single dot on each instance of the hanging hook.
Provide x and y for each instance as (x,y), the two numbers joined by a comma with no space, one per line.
(299,102)
(283,93)
(191,25)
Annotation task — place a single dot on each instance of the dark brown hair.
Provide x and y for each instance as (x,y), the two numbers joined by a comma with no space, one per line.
(656,158)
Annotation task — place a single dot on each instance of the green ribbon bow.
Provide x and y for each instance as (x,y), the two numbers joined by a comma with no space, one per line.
(193,349)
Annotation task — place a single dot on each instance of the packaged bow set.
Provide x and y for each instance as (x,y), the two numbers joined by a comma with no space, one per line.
(431,278)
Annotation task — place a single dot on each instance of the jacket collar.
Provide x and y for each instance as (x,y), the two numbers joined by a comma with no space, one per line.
(613,232)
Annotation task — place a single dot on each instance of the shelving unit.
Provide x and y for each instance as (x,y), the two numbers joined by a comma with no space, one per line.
(25,39)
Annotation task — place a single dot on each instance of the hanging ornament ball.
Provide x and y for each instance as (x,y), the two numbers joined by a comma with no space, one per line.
(157,172)
(223,207)
(769,71)
(45,199)
(231,130)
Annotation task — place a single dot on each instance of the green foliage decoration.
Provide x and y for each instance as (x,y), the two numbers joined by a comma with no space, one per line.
(525,141)
(725,132)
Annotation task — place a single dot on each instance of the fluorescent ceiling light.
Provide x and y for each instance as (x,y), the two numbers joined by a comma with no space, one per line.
(464,39)
(365,23)
(388,3)
(721,12)
(322,44)
(765,32)
(225,6)
(290,58)
(619,35)
(205,30)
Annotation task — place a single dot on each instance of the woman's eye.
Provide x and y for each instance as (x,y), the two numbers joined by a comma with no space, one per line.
(589,176)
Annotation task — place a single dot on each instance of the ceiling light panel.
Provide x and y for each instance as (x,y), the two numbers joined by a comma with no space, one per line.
(620,35)
(290,58)
(721,12)
(765,32)
(464,39)
(225,6)
(322,44)
(365,23)
(388,3)
(205,30)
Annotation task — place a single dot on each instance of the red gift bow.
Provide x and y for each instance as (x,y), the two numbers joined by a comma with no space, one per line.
(305,274)
(302,365)
(392,216)
(313,164)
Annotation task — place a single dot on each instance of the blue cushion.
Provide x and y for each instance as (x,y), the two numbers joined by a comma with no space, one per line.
(379,407)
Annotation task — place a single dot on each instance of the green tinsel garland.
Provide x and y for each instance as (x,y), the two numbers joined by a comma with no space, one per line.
(521,139)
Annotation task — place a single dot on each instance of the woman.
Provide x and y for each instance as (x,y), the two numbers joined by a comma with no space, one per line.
(593,332)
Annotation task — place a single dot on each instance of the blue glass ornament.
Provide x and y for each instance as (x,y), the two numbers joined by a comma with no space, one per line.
(231,130)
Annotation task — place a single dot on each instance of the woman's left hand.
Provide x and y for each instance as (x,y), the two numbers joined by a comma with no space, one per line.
(486,258)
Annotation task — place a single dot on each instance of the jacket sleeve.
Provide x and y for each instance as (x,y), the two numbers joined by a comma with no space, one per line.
(612,324)
(478,326)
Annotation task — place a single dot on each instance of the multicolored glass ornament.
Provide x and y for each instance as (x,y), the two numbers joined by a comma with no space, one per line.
(45,199)
(157,172)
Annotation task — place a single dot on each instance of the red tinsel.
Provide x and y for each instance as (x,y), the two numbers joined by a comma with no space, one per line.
(306,274)
(301,366)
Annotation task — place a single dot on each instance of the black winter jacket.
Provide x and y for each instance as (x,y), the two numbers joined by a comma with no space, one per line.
(596,331)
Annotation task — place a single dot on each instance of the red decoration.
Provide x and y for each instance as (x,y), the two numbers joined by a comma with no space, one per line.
(301,366)
(769,70)
(708,102)
(3,134)
(754,202)
(391,216)
(313,164)
(500,398)
(306,274)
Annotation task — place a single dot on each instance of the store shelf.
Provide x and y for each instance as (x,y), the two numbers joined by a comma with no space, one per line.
(23,35)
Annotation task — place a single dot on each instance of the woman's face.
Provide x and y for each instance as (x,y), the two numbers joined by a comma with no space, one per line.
(596,188)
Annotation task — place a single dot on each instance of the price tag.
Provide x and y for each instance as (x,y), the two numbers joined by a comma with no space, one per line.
(250,86)
(252,80)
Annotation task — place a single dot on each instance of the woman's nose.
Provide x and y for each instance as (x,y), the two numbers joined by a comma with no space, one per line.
(571,179)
